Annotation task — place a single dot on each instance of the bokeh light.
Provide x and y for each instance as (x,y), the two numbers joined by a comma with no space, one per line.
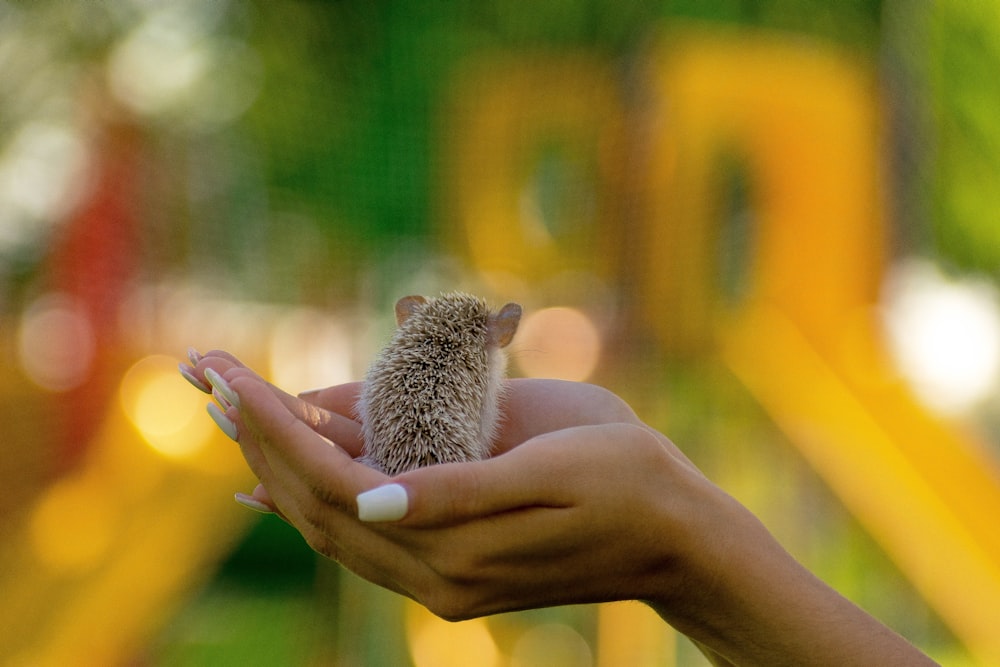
(561,343)
(679,179)
(56,342)
(309,350)
(945,335)
(164,408)
(553,645)
(438,643)
(42,175)
(74,524)
(171,66)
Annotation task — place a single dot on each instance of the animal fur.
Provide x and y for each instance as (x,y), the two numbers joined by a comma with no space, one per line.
(433,394)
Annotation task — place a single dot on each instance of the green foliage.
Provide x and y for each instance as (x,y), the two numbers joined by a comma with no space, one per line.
(963,63)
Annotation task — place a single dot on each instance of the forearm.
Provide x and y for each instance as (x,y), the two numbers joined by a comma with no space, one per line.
(571,496)
(745,601)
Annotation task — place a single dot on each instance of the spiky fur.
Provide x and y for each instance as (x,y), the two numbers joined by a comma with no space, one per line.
(433,394)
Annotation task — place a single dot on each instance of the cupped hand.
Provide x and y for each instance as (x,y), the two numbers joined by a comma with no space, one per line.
(581,502)
(569,516)
(531,407)
(562,513)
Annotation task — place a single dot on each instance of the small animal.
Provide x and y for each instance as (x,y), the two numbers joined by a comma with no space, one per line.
(433,394)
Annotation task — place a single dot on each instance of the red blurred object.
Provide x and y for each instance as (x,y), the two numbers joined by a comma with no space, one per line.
(94,258)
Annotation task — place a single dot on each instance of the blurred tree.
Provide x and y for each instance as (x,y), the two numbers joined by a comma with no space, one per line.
(962,63)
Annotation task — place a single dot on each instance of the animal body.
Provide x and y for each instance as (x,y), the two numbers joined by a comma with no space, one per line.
(433,394)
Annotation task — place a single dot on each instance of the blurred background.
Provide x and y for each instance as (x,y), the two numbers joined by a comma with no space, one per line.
(773,226)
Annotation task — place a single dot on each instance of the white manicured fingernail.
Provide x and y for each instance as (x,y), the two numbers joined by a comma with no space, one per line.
(220,383)
(223,403)
(383,503)
(252,503)
(188,375)
(222,421)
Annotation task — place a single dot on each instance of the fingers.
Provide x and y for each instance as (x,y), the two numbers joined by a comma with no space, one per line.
(252,503)
(547,471)
(536,406)
(336,423)
(545,515)
(289,446)
(314,486)
(217,360)
(332,425)
(222,354)
(341,399)
(533,407)
(454,536)
(310,483)
(331,413)
(259,501)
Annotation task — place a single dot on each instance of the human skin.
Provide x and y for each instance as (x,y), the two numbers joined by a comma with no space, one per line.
(581,502)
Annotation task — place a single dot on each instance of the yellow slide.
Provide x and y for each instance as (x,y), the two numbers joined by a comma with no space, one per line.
(805,339)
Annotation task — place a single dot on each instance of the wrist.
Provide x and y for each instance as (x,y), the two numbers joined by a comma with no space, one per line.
(695,593)
(744,600)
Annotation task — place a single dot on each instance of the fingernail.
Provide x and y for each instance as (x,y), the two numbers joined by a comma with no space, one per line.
(222,421)
(252,503)
(188,375)
(193,356)
(383,503)
(308,396)
(223,403)
(220,383)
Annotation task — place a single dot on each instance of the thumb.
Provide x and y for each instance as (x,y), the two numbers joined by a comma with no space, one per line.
(538,473)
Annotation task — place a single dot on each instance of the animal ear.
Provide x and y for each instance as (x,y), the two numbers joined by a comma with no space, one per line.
(502,326)
(407,306)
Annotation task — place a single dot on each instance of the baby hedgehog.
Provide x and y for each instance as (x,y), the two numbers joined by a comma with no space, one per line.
(433,394)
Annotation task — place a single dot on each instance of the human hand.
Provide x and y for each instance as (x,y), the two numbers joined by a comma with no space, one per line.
(570,493)
(581,503)
(329,412)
